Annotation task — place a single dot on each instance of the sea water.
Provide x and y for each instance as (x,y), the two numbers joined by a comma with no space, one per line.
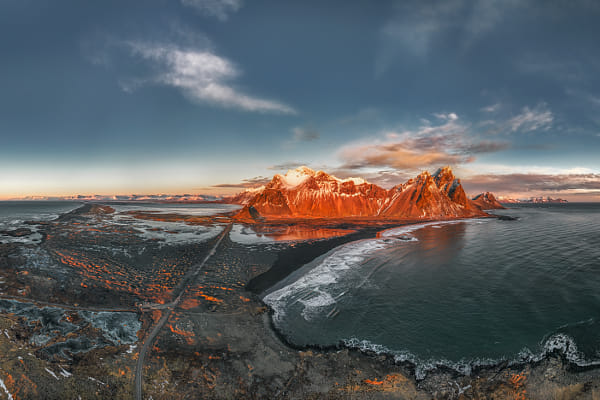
(457,294)
(16,214)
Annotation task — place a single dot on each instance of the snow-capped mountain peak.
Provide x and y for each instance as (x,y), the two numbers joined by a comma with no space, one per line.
(295,177)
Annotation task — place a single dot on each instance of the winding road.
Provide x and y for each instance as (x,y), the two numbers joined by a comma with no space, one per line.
(139,368)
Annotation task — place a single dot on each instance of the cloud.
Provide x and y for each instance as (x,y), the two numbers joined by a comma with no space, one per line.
(491,108)
(412,28)
(245,183)
(416,26)
(214,8)
(484,16)
(428,146)
(200,75)
(286,166)
(532,119)
(565,70)
(528,119)
(533,184)
(301,134)
(447,117)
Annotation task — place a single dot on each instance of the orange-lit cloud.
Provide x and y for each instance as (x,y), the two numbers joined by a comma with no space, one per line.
(448,142)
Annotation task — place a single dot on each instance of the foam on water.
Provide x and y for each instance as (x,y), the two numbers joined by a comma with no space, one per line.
(321,285)
(315,305)
(555,344)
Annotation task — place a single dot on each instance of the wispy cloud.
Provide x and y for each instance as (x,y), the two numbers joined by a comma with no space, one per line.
(411,29)
(492,108)
(571,71)
(302,134)
(446,117)
(415,26)
(286,166)
(201,75)
(215,8)
(484,16)
(538,118)
(428,146)
(534,184)
(245,183)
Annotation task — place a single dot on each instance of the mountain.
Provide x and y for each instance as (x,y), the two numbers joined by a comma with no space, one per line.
(304,193)
(164,198)
(430,196)
(244,197)
(487,201)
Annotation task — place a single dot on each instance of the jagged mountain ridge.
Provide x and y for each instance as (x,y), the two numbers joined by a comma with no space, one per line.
(487,201)
(304,193)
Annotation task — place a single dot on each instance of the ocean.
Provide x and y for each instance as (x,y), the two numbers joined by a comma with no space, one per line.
(14,214)
(459,294)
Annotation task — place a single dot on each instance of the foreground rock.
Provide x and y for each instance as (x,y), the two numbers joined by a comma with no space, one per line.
(20,232)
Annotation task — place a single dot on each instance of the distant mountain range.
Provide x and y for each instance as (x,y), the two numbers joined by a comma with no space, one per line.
(171,198)
(536,200)
(304,193)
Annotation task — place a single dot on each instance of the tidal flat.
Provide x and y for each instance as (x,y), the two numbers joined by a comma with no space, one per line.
(79,305)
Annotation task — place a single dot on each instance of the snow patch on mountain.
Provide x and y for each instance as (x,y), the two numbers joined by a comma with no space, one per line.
(296,177)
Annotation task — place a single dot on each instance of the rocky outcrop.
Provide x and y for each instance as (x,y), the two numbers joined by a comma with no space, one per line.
(487,201)
(244,197)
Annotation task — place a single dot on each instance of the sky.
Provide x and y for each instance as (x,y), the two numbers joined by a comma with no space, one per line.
(214,96)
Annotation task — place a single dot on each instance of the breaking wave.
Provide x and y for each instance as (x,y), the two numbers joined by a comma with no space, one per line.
(558,343)
(323,284)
